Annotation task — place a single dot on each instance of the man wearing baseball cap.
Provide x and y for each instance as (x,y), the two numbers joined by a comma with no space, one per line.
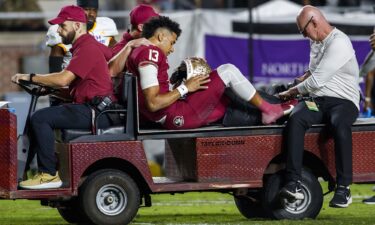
(138,16)
(102,28)
(86,75)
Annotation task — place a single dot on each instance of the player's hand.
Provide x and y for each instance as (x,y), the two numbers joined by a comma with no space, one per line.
(20,76)
(372,41)
(138,42)
(197,83)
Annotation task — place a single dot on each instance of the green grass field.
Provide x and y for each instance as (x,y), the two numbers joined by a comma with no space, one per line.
(197,208)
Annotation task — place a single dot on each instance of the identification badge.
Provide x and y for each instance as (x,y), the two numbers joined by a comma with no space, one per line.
(312,106)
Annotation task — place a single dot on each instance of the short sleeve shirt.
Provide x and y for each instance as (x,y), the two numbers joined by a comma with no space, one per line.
(144,55)
(89,65)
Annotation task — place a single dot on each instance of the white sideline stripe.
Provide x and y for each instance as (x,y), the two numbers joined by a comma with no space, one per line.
(354,196)
(173,223)
(193,203)
(210,202)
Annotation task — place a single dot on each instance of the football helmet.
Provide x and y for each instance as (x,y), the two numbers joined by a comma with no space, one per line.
(190,67)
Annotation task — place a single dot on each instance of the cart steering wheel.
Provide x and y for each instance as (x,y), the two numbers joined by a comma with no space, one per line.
(36,89)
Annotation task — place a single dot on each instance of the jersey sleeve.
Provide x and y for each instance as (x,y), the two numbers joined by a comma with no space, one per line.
(148,56)
(52,37)
(108,26)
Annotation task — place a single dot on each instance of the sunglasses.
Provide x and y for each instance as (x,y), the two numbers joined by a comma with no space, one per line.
(303,31)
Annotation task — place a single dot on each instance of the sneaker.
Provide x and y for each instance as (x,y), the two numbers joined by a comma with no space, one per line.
(42,181)
(369,201)
(279,111)
(292,191)
(342,197)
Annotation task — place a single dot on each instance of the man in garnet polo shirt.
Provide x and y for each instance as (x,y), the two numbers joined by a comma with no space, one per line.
(87,77)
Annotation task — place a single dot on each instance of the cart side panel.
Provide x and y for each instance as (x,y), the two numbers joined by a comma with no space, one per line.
(84,155)
(237,158)
(8,150)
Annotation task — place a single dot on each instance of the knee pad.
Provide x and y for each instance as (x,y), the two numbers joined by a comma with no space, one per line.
(233,78)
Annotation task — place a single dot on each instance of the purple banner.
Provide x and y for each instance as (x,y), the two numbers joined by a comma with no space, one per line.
(273,59)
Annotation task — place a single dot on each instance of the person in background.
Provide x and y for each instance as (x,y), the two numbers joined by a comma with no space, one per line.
(89,83)
(368,70)
(332,83)
(371,200)
(103,29)
(138,16)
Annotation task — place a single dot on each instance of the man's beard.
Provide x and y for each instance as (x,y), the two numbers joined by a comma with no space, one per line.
(68,39)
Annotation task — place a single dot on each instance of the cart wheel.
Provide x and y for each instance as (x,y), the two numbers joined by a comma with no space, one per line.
(71,211)
(250,205)
(282,208)
(110,197)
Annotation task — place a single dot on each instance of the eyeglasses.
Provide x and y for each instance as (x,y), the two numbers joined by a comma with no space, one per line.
(303,31)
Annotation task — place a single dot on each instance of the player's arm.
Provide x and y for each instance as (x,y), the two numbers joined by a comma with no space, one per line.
(53,40)
(150,87)
(117,63)
(55,59)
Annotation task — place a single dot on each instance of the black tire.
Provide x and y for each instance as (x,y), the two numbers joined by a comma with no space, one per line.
(250,205)
(71,212)
(280,208)
(109,197)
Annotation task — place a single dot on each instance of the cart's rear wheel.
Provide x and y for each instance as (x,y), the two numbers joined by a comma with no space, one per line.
(282,208)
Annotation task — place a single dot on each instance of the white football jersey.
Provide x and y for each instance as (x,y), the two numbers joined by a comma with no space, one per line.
(103,30)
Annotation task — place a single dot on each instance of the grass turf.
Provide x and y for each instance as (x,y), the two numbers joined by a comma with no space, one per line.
(197,208)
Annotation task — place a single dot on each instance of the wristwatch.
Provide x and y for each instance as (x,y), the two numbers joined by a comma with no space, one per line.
(31,77)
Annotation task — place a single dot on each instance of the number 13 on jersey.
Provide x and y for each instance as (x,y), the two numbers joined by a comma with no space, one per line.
(153,55)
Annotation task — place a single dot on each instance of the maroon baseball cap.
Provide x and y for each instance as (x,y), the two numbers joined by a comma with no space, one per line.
(71,13)
(141,14)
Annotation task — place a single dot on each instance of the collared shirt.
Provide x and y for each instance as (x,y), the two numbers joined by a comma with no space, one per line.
(89,65)
(334,69)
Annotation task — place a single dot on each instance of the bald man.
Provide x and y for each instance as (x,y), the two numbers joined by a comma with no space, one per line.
(332,83)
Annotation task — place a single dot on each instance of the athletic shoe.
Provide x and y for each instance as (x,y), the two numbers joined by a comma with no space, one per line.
(279,110)
(369,201)
(292,102)
(42,181)
(292,191)
(342,197)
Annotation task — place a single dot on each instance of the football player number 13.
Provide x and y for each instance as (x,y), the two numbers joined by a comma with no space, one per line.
(153,55)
